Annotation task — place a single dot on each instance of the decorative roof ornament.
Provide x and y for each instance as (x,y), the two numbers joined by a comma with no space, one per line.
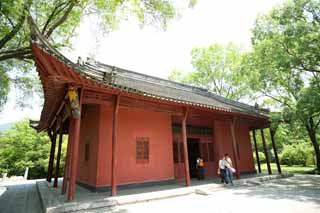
(113,75)
(80,61)
(90,60)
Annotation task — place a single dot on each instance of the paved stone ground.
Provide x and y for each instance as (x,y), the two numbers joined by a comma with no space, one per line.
(53,201)
(293,195)
(19,198)
(300,193)
(82,194)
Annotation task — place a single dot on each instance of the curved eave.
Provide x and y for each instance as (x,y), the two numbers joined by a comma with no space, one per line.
(55,74)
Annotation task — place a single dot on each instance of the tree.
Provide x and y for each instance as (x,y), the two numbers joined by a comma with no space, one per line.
(57,20)
(285,60)
(308,111)
(217,68)
(21,147)
(291,31)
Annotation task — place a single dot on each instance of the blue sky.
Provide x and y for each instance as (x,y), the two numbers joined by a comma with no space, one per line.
(157,52)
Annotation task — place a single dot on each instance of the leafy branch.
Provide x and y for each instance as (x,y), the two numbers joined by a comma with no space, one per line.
(16,27)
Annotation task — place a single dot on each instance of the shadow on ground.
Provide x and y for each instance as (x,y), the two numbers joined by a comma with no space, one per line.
(298,188)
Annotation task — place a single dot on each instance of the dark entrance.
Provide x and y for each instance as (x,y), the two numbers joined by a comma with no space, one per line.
(193,154)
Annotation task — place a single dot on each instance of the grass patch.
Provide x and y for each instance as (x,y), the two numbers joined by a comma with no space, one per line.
(291,169)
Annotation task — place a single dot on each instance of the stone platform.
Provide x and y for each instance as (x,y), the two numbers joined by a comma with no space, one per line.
(52,200)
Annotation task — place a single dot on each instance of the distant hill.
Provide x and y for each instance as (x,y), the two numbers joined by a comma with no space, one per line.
(4,127)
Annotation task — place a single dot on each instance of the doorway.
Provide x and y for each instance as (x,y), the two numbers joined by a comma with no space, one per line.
(193,154)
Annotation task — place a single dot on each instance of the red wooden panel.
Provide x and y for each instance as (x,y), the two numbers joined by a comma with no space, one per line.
(205,156)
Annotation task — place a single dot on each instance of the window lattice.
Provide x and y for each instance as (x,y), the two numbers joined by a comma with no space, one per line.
(142,150)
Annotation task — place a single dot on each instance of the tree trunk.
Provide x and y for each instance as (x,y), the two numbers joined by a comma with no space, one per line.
(312,135)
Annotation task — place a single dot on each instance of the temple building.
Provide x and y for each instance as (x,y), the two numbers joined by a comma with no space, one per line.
(126,128)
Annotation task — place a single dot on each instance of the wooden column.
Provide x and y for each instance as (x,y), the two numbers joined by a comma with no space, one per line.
(75,151)
(67,167)
(52,151)
(265,151)
(234,148)
(55,183)
(71,151)
(256,150)
(185,147)
(272,133)
(74,160)
(114,143)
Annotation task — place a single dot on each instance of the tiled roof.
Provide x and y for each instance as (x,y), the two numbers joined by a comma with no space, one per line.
(150,86)
(166,89)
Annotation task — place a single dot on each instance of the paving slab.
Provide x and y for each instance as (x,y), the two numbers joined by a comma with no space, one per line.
(86,201)
(52,201)
(297,194)
(20,198)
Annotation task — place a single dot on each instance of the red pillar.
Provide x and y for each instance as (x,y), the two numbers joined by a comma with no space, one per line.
(272,132)
(55,183)
(265,151)
(185,147)
(71,150)
(114,143)
(51,158)
(75,151)
(74,160)
(234,148)
(66,175)
(256,149)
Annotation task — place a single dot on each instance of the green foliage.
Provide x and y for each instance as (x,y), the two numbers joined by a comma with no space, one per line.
(58,20)
(290,134)
(262,157)
(5,86)
(308,105)
(310,159)
(299,154)
(290,33)
(290,169)
(22,147)
(284,67)
(284,51)
(217,68)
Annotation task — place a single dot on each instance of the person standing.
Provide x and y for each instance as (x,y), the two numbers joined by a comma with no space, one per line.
(200,167)
(228,169)
(222,171)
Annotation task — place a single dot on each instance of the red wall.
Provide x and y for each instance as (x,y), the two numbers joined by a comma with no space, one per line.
(96,129)
(88,134)
(104,144)
(135,123)
(223,139)
(246,162)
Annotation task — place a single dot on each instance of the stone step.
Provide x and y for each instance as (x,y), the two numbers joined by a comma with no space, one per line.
(51,204)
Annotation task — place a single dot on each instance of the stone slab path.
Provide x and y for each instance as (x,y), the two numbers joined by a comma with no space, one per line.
(298,194)
(20,198)
(52,201)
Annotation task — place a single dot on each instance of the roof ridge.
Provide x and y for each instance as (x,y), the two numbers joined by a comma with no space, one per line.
(152,77)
